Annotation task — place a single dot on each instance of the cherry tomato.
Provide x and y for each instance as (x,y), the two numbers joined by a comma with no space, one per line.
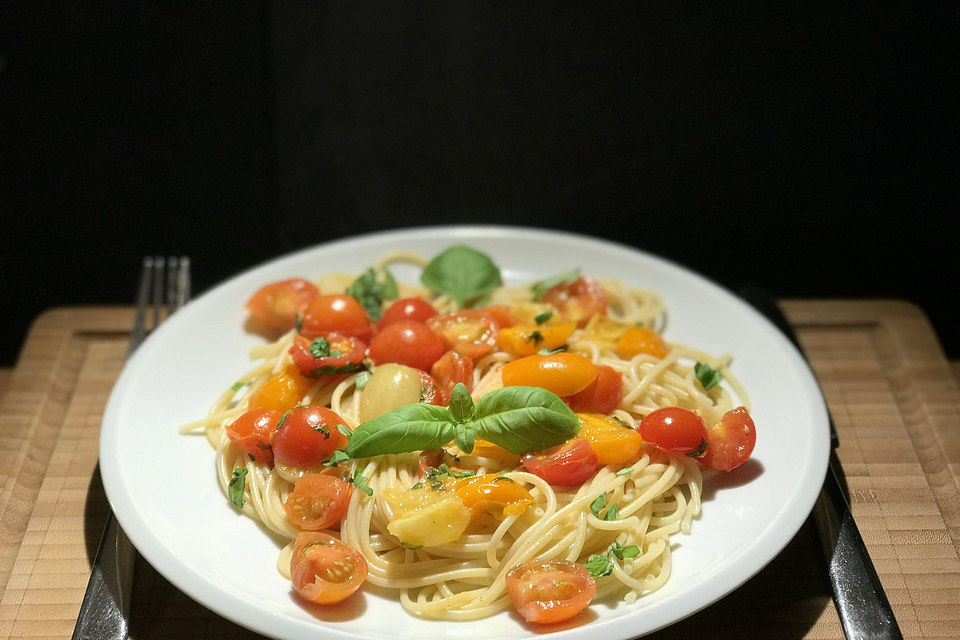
(567,465)
(325,570)
(486,449)
(641,340)
(342,315)
(450,369)
(307,436)
(527,339)
(254,433)
(501,314)
(603,395)
(276,305)
(407,342)
(613,442)
(675,430)
(433,458)
(730,442)
(429,391)
(282,391)
(480,493)
(415,309)
(346,353)
(317,501)
(561,373)
(546,592)
(468,332)
(577,301)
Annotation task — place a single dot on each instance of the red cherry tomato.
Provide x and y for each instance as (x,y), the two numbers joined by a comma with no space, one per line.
(451,369)
(577,301)
(500,313)
(254,432)
(407,342)
(345,355)
(730,442)
(415,309)
(603,395)
(429,391)
(343,315)
(568,465)
(674,430)
(468,332)
(545,592)
(433,458)
(318,501)
(325,570)
(276,305)
(307,436)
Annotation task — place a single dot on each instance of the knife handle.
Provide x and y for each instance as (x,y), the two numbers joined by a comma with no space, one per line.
(106,604)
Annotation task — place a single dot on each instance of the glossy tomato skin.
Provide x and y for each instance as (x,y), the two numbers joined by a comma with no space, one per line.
(675,430)
(351,352)
(603,395)
(561,373)
(318,501)
(254,432)
(500,313)
(340,314)
(730,442)
(578,301)
(415,309)
(407,342)
(567,465)
(546,592)
(282,391)
(307,436)
(449,370)
(325,570)
(469,332)
(641,340)
(429,391)
(277,304)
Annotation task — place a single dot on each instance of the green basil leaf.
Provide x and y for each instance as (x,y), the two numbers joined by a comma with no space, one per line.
(462,273)
(612,512)
(630,551)
(707,375)
(362,379)
(344,429)
(549,352)
(320,347)
(461,404)
(360,482)
(540,287)
(598,566)
(412,427)
(372,288)
(337,457)
(524,419)
(543,317)
(624,472)
(235,488)
(465,435)
(701,449)
(536,338)
(237,386)
(599,503)
(331,370)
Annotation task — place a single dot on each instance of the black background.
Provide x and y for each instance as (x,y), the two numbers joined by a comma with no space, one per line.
(809,149)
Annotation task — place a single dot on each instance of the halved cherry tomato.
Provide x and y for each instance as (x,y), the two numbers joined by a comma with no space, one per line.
(307,436)
(614,443)
(500,313)
(339,314)
(730,442)
(318,501)
(561,373)
(450,369)
(577,301)
(282,391)
(567,465)
(416,309)
(276,305)
(641,340)
(603,395)
(675,430)
(325,570)
(345,355)
(480,493)
(407,342)
(254,433)
(429,391)
(433,458)
(546,592)
(468,332)
(527,339)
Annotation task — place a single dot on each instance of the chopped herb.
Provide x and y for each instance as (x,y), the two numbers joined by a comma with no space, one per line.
(598,566)
(707,375)
(599,503)
(626,471)
(237,386)
(543,317)
(504,478)
(283,419)
(435,475)
(638,324)
(362,379)
(464,274)
(320,542)
(630,551)
(612,512)
(323,430)
(413,547)
(701,449)
(320,348)
(335,352)
(330,370)
(622,422)
(372,288)
(536,337)
(252,459)
(337,457)
(361,483)
(235,488)
(344,429)
(298,321)
(547,352)
(540,287)
(419,485)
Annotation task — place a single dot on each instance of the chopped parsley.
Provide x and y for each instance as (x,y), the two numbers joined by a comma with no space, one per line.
(236,486)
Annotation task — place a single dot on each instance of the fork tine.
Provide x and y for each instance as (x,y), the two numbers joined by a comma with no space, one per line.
(173,274)
(183,282)
(143,295)
(158,264)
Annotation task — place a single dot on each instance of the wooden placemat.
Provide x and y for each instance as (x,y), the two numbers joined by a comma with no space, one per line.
(891,392)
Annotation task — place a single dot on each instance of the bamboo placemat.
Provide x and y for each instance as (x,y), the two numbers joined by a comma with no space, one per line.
(892,394)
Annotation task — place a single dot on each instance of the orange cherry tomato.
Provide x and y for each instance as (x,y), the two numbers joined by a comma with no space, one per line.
(339,314)
(318,501)
(450,369)
(307,436)
(500,313)
(479,493)
(486,449)
(429,390)
(545,592)
(416,309)
(730,442)
(282,391)
(325,570)
(675,430)
(641,340)
(254,433)
(527,339)
(407,342)
(567,465)
(345,354)
(577,301)
(561,373)
(276,305)
(614,443)
(468,332)
(603,395)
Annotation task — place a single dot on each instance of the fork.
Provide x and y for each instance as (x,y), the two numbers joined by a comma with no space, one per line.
(104,615)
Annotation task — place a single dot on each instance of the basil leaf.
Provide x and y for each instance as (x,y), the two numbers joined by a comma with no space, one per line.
(536,337)
(599,503)
(598,566)
(235,488)
(372,288)
(523,419)
(461,404)
(344,429)
(543,317)
(298,323)
(465,435)
(540,287)
(331,370)
(360,482)
(701,449)
(630,551)
(363,379)
(624,472)
(320,347)
(337,457)
(412,427)
(707,375)
(549,352)
(612,512)
(462,273)
(237,386)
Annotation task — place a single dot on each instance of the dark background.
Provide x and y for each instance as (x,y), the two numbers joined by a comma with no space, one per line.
(808,149)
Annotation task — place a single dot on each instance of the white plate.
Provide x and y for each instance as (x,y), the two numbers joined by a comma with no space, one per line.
(163,489)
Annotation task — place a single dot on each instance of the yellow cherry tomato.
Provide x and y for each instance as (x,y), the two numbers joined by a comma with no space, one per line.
(527,339)
(641,340)
(613,442)
(492,491)
(486,449)
(283,391)
(561,373)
